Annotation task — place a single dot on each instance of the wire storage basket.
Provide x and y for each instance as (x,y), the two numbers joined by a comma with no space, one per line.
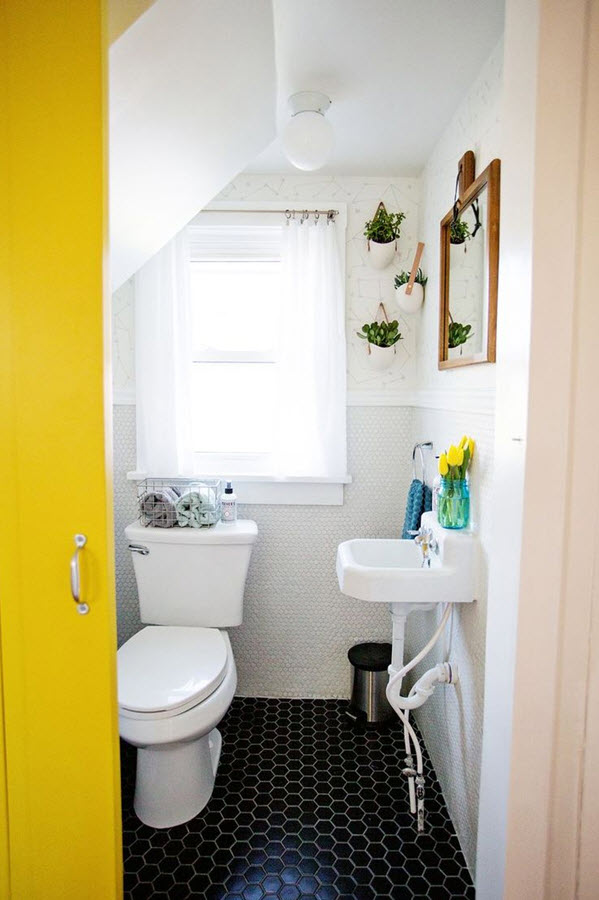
(179,502)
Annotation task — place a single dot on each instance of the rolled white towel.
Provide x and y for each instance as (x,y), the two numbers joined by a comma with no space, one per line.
(189,509)
(195,507)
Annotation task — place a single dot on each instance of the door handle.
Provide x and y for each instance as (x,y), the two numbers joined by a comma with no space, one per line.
(80,542)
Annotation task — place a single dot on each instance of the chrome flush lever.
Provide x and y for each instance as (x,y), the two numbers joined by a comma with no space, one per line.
(80,542)
(139,548)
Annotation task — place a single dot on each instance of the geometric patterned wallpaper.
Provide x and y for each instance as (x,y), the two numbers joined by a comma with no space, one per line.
(365,287)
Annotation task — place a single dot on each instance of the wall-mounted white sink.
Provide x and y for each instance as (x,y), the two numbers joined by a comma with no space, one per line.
(390,571)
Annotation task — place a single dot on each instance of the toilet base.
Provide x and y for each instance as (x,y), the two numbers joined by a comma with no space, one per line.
(175,782)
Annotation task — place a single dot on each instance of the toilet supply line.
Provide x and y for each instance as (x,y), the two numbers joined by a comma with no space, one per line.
(420,692)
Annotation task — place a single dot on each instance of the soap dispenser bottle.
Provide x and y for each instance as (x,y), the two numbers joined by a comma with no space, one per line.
(229,504)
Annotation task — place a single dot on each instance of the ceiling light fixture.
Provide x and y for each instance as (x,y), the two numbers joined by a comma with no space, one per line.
(308,138)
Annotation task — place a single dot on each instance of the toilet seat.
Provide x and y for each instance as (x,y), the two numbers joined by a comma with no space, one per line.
(165,670)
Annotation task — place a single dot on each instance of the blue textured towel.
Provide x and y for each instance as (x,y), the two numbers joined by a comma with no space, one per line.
(420,500)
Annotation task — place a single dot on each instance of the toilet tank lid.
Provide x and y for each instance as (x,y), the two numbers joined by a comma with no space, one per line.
(243,531)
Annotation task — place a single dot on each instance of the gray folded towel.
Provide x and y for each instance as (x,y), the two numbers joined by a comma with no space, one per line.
(195,507)
(158,507)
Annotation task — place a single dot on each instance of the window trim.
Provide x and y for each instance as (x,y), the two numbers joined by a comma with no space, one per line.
(272,491)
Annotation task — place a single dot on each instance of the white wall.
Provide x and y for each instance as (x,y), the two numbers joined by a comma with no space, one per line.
(513,334)
(541,599)
(296,632)
(451,721)
(476,125)
(298,626)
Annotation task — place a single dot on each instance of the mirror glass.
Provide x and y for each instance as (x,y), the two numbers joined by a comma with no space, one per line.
(468,282)
(469,269)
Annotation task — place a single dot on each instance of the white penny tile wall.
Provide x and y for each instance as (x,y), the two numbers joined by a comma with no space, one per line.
(297,625)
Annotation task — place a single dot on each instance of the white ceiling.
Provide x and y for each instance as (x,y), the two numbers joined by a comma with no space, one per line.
(395,70)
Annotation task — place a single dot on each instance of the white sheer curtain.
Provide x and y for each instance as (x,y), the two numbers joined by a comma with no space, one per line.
(311,427)
(163,361)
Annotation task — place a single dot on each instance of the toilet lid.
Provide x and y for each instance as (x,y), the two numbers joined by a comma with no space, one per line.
(165,667)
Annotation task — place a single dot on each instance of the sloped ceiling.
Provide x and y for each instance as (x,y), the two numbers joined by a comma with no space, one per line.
(396,71)
(192,102)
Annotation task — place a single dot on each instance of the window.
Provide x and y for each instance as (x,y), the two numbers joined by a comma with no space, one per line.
(240,354)
(235,296)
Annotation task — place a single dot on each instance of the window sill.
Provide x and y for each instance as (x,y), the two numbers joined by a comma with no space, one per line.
(268,490)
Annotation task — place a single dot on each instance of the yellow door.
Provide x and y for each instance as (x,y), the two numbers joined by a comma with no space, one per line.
(59,801)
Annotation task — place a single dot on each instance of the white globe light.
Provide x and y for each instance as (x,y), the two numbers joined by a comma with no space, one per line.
(308,140)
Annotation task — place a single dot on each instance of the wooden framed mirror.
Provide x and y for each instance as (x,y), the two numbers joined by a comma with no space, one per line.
(469,268)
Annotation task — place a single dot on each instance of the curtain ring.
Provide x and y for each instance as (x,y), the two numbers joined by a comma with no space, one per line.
(287,215)
(316,216)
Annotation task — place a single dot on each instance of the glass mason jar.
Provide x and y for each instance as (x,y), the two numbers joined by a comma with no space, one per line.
(453,503)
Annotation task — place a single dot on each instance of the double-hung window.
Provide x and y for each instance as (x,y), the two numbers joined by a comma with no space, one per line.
(235,297)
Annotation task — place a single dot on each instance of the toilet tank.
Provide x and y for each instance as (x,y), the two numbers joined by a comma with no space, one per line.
(192,576)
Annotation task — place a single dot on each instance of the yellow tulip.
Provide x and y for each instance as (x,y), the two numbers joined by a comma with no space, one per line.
(471,446)
(464,441)
(443,467)
(455,456)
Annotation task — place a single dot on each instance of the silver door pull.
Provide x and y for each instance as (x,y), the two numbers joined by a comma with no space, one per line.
(139,548)
(80,542)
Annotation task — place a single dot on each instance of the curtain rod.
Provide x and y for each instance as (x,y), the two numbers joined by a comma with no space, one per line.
(290,213)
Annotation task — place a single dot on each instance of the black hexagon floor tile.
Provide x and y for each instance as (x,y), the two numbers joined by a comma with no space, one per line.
(304,808)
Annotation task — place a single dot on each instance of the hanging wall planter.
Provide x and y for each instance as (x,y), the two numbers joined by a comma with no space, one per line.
(410,303)
(382,233)
(381,358)
(382,336)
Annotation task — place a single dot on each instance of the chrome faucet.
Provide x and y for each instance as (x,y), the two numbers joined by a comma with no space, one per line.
(427,543)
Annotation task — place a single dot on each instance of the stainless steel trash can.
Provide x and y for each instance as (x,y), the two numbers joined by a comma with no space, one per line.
(369,705)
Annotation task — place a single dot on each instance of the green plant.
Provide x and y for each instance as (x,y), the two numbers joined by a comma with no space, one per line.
(404,277)
(384,227)
(459,232)
(458,334)
(381,334)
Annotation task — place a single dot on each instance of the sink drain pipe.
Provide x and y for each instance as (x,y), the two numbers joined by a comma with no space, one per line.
(419,694)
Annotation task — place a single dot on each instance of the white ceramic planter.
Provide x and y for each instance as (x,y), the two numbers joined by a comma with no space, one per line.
(381,255)
(410,303)
(381,358)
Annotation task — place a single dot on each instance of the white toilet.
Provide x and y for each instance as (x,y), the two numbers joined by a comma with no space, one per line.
(177,677)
